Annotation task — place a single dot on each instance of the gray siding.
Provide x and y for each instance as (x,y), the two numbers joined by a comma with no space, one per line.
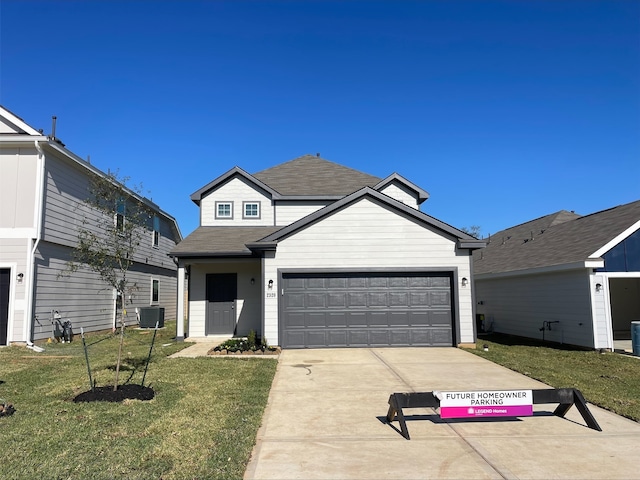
(14,254)
(85,300)
(519,305)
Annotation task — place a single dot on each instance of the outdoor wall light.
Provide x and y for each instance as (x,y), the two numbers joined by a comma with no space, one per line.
(464,281)
(20,277)
(270,284)
(598,287)
(253,281)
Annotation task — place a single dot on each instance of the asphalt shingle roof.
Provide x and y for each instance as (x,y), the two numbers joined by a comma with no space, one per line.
(560,238)
(220,241)
(312,175)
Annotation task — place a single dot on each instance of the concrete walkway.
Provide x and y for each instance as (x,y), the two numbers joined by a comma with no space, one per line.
(200,347)
(326,409)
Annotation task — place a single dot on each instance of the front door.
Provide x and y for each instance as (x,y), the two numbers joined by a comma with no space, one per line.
(5,275)
(221,301)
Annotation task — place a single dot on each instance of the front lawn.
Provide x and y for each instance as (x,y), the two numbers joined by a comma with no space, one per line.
(202,422)
(609,380)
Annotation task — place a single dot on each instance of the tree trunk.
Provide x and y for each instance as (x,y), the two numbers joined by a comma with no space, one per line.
(115,385)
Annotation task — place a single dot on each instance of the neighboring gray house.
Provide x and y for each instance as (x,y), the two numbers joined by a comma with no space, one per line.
(43,186)
(578,277)
(310,253)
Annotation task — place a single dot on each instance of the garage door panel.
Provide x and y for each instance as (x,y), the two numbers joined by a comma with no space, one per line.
(378,318)
(358,338)
(337,300)
(365,309)
(337,319)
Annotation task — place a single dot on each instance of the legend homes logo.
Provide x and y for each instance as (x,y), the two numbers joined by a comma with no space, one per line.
(485,403)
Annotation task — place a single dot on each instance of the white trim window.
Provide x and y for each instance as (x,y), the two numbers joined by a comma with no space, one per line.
(119,217)
(224,210)
(251,210)
(155,290)
(155,239)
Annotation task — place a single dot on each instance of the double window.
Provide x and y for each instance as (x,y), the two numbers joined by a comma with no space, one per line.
(250,210)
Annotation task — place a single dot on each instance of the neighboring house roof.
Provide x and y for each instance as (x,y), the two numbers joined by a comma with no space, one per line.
(312,175)
(562,238)
(220,241)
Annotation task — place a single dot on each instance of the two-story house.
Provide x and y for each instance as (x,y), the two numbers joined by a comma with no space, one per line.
(310,253)
(43,186)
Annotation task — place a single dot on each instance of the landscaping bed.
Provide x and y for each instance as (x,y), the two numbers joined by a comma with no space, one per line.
(201,422)
(250,345)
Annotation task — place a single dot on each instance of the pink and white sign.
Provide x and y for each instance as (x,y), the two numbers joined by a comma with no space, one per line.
(485,403)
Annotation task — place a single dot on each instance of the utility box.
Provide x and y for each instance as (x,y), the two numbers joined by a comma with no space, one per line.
(150,315)
(635,337)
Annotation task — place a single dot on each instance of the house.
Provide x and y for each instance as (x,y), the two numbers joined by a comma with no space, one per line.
(43,188)
(311,253)
(564,277)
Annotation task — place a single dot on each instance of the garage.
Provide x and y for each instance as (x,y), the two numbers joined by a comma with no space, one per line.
(364,309)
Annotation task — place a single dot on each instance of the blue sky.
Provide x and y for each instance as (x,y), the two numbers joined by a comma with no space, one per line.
(502,111)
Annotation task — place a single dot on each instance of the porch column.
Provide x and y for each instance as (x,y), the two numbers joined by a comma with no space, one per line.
(180,309)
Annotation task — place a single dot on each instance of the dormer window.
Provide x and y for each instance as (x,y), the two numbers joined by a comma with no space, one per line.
(250,209)
(224,210)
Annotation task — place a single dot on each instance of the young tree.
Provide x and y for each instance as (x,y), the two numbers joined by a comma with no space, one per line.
(114,224)
(473,230)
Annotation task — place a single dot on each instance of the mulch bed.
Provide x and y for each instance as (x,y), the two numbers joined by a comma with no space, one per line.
(124,392)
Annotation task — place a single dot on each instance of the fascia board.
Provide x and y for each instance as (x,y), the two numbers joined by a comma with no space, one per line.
(262,245)
(367,191)
(18,122)
(10,140)
(198,194)
(422,194)
(472,244)
(616,240)
(587,264)
(210,254)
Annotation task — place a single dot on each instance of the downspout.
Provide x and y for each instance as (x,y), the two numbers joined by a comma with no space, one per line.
(30,288)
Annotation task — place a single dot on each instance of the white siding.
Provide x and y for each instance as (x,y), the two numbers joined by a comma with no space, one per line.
(601,311)
(14,253)
(368,235)
(18,192)
(237,190)
(402,194)
(249,306)
(519,305)
(292,211)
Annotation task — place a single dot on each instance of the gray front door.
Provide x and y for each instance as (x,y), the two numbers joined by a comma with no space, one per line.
(5,275)
(221,301)
(367,309)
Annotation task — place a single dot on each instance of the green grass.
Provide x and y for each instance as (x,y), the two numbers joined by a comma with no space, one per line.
(202,422)
(609,380)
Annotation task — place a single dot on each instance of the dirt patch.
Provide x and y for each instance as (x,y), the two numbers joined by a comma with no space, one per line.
(124,392)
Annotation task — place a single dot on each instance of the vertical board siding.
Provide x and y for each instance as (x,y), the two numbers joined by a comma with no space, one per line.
(18,192)
(249,307)
(236,191)
(369,235)
(520,305)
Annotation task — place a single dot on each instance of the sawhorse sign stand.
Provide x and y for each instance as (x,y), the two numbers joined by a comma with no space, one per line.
(488,403)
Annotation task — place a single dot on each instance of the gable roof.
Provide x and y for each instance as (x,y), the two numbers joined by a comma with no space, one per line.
(24,134)
(234,172)
(310,175)
(397,178)
(562,238)
(464,240)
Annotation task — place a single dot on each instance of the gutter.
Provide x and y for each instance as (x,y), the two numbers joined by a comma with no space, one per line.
(30,287)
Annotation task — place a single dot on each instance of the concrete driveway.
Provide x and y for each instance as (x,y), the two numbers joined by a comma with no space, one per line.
(325,412)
